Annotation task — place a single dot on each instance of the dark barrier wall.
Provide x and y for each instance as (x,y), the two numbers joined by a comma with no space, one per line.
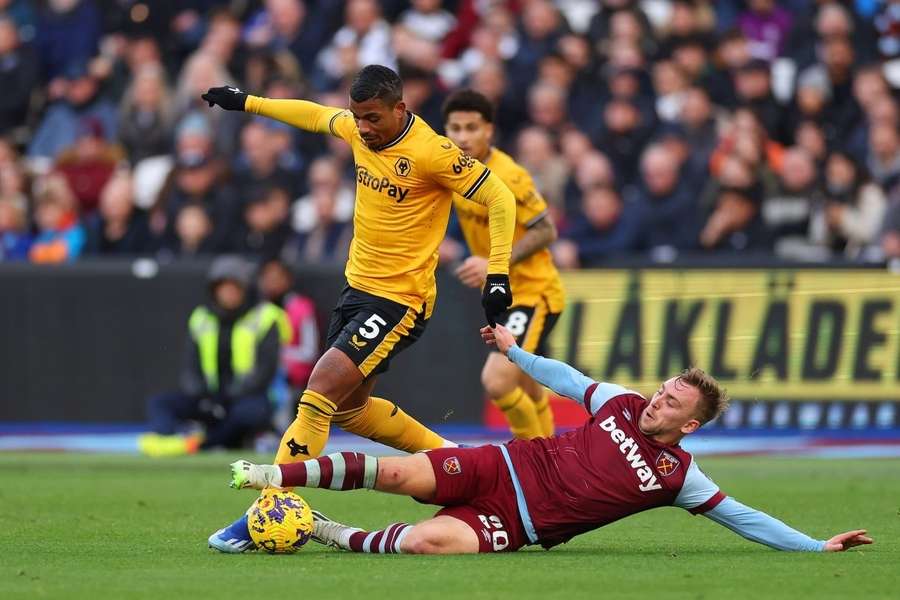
(90,341)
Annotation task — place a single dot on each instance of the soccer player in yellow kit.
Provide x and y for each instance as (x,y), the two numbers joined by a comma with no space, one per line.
(406,176)
(469,122)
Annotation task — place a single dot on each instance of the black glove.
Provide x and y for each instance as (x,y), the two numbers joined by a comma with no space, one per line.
(496,297)
(228,97)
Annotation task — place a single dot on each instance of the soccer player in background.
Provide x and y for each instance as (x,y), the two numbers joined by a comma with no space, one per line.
(405,177)
(625,459)
(469,123)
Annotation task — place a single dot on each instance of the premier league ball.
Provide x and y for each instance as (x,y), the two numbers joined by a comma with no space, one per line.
(280,522)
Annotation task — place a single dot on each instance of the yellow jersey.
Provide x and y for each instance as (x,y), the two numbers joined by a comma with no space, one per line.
(404,191)
(535,277)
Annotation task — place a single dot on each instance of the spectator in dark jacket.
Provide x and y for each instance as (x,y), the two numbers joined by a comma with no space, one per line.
(118,228)
(265,228)
(668,203)
(67,31)
(605,228)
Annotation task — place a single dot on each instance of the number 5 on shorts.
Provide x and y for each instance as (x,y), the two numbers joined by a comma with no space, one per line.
(372,327)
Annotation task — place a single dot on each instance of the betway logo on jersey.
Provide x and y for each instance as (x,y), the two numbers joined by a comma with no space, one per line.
(380,184)
(632,454)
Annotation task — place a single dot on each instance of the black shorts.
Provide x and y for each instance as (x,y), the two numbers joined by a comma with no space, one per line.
(530,324)
(371,330)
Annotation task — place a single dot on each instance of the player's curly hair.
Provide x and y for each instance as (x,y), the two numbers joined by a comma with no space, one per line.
(713,397)
(467,100)
(377,82)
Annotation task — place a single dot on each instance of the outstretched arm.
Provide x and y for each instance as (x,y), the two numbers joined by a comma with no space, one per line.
(299,113)
(759,527)
(556,375)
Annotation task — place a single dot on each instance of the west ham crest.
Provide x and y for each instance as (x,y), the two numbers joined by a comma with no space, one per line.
(451,466)
(666,464)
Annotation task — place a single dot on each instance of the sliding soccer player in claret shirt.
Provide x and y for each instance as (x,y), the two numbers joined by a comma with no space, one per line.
(624,460)
(406,176)
(469,122)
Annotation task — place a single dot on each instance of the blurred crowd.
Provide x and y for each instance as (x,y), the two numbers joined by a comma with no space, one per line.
(658,127)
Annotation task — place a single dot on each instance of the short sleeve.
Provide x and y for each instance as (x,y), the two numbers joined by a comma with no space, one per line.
(599,393)
(455,170)
(699,493)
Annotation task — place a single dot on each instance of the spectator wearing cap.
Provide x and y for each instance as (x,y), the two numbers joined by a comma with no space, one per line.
(15,239)
(118,228)
(78,100)
(231,357)
(89,163)
(265,228)
(321,220)
(853,211)
(146,117)
(60,236)
(19,75)
(199,178)
(603,228)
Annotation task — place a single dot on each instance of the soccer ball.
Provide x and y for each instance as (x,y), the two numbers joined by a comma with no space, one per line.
(280,522)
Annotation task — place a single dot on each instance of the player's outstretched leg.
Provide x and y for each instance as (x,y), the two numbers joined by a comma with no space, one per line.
(439,535)
(406,475)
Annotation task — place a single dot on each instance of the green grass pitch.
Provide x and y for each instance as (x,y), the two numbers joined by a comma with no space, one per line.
(87,526)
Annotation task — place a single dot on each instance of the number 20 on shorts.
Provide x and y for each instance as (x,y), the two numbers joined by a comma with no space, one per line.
(498,536)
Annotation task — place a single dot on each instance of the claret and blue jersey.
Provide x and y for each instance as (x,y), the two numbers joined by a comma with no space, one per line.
(609,469)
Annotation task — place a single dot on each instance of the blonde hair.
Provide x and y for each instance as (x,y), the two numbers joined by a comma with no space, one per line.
(713,397)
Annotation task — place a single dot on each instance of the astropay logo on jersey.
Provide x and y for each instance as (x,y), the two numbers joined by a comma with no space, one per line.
(632,454)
